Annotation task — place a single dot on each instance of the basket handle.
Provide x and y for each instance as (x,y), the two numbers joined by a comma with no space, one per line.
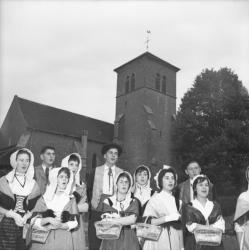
(147,217)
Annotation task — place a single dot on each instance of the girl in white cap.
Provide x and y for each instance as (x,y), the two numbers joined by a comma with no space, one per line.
(78,189)
(56,213)
(142,190)
(202,211)
(121,208)
(18,195)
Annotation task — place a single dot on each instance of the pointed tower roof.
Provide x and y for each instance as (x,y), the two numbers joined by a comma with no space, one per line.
(149,56)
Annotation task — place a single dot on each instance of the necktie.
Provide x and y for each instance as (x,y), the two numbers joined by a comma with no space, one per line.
(110,177)
(47,174)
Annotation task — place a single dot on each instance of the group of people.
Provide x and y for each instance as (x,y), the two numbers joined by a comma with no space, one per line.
(41,207)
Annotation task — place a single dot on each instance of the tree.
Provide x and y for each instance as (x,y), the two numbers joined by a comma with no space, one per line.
(212,127)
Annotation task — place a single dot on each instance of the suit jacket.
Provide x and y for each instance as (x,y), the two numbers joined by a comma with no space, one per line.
(98,184)
(184,191)
(40,178)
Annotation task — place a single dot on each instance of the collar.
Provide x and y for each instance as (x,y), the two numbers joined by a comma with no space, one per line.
(205,210)
(166,193)
(19,174)
(44,167)
(113,167)
(120,205)
(191,181)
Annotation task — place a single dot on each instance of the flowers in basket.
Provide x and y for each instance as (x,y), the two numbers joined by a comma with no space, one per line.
(106,229)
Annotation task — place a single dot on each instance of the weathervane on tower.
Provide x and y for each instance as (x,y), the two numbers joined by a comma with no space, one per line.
(147,40)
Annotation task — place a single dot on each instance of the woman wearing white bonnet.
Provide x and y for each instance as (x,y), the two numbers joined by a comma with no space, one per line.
(18,195)
(121,208)
(56,213)
(78,189)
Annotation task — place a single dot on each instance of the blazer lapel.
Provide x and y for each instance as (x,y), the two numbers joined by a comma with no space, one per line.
(40,172)
(101,175)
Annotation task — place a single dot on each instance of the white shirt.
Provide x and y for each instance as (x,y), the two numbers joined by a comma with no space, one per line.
(44,168)
(106,189)
(161,204)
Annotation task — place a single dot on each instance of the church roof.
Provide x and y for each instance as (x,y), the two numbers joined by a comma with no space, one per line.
(151,57)
(53,120)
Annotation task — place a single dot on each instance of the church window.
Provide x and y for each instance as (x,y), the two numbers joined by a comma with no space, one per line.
(164,85)
(132,81)
(157,82)
(127,84)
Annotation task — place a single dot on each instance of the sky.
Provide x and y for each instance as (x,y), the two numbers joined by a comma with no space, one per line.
(62,53)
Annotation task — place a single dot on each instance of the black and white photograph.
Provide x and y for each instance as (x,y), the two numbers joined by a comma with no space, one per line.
(124,125)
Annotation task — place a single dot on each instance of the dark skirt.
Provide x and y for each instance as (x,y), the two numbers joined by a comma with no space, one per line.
(11,236)
(127,241)
(94,242)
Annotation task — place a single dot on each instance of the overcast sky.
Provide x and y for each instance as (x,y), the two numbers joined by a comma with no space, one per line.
(62,53)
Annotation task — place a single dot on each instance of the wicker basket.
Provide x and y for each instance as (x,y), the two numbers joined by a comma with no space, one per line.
(106,230)
(208,236)
(148,231)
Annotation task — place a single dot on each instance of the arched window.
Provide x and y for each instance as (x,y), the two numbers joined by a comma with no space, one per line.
(127,84)
(157,82)
(132,81)
(164,85)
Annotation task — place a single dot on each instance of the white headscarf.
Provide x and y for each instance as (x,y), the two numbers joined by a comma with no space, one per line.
(64,163)
(29,181)
(51,188)
(126,202)
(143,193)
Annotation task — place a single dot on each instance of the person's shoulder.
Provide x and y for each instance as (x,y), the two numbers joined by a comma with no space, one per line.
(155,196)
(119,169)
(183,183)
(216,204)
(37,168)
(99,169)
(3,180)
(135,199)
(243,195)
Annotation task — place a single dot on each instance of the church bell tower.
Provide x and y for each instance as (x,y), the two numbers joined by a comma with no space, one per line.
(145,107)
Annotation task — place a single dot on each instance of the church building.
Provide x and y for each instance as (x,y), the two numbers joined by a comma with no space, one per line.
(145,109)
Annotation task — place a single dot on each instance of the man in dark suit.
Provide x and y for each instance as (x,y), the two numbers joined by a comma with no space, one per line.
(185,188)
(104,184)
(47,156)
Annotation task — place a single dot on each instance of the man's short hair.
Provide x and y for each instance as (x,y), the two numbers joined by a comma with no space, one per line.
(45,148)
(193,161)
